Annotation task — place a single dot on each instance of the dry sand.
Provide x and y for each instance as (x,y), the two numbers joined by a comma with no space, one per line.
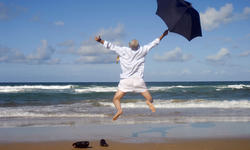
(204,144)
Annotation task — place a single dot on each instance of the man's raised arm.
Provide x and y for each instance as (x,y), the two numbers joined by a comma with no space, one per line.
(109,45)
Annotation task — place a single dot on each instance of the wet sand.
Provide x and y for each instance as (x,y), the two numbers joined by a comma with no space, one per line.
(194,144)
(195,136)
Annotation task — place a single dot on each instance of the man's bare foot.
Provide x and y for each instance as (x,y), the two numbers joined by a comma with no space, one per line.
(151,106)
(116,116)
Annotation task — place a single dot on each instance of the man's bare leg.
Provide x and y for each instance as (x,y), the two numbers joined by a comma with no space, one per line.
(149,100)
(116,100)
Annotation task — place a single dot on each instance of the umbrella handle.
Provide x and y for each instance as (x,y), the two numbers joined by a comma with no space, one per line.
(164,34)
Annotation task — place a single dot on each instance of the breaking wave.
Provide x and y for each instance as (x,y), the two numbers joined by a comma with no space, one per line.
(53,111)
(78,89)
(96,89)
(25,88)
(236,86)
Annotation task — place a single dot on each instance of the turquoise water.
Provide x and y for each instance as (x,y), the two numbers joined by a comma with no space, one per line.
(55,104)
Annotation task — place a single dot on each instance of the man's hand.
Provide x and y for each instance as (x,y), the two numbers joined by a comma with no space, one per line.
(164,34)
(98,39)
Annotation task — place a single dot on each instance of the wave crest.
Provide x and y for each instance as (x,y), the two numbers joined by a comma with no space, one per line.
(96,89)
(23,88)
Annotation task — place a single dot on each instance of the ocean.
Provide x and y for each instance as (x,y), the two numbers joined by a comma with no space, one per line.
(79,104)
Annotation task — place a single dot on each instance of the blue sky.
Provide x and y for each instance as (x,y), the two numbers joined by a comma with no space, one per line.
(52,41)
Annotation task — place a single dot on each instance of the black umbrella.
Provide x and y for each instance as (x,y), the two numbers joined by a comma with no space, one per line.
(180,17)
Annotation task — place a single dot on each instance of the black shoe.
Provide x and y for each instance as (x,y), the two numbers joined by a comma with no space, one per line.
(81,144)
(103,143)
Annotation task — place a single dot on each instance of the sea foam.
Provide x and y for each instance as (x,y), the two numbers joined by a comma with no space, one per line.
(95,89)
(23,88)
(54,111)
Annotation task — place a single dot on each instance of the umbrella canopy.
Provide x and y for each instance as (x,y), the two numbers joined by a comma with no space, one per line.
(180,17)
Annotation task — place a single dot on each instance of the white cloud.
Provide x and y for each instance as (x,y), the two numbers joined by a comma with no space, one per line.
(90,48)
(220,57)
(213,18)
(91,52)
(59,23)
(246,11)
(105,59)
(245,54)
(42,55)
(175,55)
(112,34)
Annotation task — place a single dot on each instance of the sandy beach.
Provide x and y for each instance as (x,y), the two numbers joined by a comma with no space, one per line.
(195,144)
(198,136)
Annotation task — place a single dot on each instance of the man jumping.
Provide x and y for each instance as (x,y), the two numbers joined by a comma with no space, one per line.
(132,60)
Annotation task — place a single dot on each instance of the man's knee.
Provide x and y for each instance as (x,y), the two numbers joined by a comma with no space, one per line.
(118,96)
(150,99)
(147,95)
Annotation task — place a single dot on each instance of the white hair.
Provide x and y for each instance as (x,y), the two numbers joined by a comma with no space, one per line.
(134,44)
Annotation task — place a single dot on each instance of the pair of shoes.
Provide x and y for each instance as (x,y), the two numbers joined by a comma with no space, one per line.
(81,144)
(85,144)
(103,143)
